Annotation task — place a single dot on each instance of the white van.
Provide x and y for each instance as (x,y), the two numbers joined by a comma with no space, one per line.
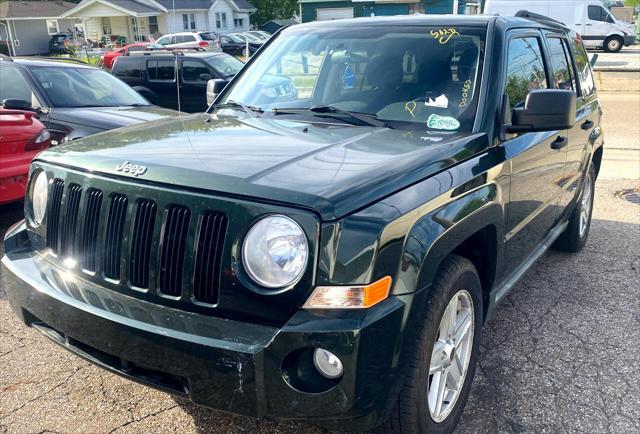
(589,18)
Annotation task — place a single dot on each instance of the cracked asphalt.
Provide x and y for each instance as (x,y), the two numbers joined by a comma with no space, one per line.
(561,355)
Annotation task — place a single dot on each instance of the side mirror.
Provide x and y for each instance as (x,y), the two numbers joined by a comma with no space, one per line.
(205,77)
(544,110)
(214,87)
(17,104)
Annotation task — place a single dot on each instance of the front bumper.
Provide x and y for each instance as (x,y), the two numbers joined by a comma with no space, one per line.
(229,365)
(629,40)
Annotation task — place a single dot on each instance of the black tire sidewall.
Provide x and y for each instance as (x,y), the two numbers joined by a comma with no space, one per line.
(466,278)
(606,44)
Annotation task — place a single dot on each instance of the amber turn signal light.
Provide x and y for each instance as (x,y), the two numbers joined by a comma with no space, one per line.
(349,297)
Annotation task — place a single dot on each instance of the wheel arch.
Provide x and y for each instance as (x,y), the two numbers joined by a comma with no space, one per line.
(471,227)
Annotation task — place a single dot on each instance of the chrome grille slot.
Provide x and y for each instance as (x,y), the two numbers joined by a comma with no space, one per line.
(206,279)
(90,229)
(141,243)
(69,224)
(174,241)
(113,236)
(53,220)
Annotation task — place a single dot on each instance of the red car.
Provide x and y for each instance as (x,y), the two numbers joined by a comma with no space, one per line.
(110,57)
(22,136)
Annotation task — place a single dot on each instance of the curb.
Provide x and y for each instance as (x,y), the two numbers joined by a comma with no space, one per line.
(618,80)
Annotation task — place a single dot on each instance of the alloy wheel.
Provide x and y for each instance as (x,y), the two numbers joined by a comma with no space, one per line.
(450,356)
(585,206)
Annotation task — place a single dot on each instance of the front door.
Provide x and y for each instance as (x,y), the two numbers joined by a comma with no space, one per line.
(193,86)
(597,25)
(537,159)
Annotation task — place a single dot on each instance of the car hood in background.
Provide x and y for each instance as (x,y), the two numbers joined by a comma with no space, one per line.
(108,118)
(332,169)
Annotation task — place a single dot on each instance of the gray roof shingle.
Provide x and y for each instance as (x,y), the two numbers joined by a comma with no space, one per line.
(134,6)
(244,4)
(186,4)
(36,9)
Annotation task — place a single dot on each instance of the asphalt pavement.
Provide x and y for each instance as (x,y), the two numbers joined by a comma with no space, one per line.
(560,355)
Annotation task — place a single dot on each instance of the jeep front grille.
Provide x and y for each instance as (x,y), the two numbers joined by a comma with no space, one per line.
(139,245)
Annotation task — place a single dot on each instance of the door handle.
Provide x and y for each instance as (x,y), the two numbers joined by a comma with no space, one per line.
(587,125)
(559,143)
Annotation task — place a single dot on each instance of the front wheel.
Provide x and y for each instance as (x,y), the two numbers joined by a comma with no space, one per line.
(613,44)
(442,368)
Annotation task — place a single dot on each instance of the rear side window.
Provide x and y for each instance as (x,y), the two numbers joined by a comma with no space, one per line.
(585,75)
(189,38)
(161,70)
(126,67)
(560,64)
(526,70)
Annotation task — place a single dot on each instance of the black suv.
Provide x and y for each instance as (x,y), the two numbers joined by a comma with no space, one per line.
(153,75)
(73,99)
(327,241)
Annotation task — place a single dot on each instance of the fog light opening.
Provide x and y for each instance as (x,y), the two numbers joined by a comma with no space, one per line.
(327,363)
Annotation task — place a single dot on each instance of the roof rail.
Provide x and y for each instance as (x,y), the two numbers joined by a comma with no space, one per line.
(5,58)
(180,52)
(541,19)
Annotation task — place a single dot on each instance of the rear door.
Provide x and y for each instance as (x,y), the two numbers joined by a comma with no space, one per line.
(161,80)
(565,77)
(537,159)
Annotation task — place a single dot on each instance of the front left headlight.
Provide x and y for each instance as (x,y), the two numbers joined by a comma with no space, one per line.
(38,198)
(275,252)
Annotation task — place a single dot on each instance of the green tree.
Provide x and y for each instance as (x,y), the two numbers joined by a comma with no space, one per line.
(273,10)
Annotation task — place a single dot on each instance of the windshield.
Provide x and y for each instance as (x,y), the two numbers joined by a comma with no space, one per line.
(238,37)
(84,87)
(409,75)
(226,65)
(252,37)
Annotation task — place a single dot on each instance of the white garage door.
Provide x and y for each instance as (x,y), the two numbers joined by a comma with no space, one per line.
(334,14)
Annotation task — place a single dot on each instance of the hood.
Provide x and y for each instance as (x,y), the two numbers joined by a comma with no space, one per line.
(108,118)
(331,169)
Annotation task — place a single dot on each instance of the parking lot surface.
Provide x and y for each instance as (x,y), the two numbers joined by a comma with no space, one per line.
(560,355)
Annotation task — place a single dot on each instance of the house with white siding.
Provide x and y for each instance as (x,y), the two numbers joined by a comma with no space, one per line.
(139,20)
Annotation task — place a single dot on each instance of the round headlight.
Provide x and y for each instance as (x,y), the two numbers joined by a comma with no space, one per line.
(39,198)
(275,252)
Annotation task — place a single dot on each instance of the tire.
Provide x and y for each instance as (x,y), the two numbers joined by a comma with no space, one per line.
(413,412)
(575,235)
(613,44)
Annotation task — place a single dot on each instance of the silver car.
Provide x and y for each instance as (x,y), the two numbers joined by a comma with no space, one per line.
(207,40)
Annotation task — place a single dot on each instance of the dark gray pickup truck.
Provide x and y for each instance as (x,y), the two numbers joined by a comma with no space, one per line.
(327,241)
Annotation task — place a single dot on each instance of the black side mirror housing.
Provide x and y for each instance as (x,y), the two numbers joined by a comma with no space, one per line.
(17,104)
(544,110)
(214,87)
(205,77)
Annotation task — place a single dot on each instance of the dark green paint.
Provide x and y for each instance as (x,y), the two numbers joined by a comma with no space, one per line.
(398,212)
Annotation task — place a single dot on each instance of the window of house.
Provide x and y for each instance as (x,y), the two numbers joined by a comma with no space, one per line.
(526,69)
(221,20)
(562,75)
(106,26)
(161,69)
(189,21)
(237,22)
(52,27)
(153,25)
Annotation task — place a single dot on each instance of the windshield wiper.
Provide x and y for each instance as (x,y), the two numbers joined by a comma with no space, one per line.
(251,110)
(366,118)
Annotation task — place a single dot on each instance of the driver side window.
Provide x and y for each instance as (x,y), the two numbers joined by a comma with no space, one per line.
(597,13)
(526,70)
(15,86)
